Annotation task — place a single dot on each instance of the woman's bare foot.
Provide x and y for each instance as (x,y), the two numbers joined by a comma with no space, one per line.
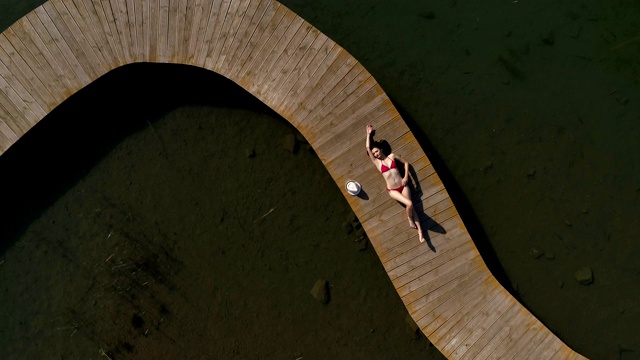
(412,224)
(420,236)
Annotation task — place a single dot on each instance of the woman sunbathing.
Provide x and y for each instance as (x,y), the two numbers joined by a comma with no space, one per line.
(396,184)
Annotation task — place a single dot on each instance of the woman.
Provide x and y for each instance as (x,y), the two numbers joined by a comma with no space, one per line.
(396,184)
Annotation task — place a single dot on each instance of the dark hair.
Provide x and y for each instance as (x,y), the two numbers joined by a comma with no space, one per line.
(383,145)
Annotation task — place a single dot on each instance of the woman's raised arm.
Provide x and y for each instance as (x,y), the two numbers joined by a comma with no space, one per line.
(369,130)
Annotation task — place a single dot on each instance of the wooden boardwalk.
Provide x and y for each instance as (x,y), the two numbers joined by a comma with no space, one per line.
(63,45)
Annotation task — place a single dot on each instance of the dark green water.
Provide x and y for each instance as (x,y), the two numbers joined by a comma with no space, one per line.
(532,106)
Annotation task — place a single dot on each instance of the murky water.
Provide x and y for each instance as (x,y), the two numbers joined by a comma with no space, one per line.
(533,109)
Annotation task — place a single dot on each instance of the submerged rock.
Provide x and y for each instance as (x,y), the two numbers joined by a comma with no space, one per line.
(362,244)
(290,143)
(320,291)
(412,327)
(584,276)
(347,228)
(536,253)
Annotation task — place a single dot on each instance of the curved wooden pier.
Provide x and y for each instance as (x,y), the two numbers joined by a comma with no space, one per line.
(62,46)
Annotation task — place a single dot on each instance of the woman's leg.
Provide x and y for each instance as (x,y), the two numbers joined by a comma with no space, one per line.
(406,192)
(405,199)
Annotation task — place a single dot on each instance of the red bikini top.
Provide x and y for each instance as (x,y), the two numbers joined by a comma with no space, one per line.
(384,168)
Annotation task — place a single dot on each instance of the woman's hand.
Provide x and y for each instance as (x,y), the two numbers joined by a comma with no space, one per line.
(369,129)
(405,181)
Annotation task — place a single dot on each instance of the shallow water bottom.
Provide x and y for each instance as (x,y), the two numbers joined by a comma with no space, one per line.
(200,237)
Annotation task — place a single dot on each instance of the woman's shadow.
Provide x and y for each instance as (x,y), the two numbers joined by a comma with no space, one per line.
(428,224)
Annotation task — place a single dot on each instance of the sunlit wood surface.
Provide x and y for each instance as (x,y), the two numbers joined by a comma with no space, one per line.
(62,46)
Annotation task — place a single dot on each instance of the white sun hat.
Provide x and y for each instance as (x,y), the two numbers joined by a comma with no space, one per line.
(353,187)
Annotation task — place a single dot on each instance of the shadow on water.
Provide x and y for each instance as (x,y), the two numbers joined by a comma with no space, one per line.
(461,203)
(63,147)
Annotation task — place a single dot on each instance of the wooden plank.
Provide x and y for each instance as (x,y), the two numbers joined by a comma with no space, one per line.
(547,349)
(340,77)
(121,17)
(461,253)
(222,24)
(425,279)
(522,341)
(516,322)
(50,53)
(466,332)
(79,40)
(233,21)
(20,55)
(268,53)
(513,337)
(360,103)
(216,19)
(328,59)
(110,11)
(443,292)
(189,22)
(405,240)
(18,90)
(267,27)
(172,31)
(290,64)
(150,14)
(163,31)
(198,29)
(183,27)
(48,30)
(321,47)
(322,55)
(394,252)
(134,16)
(23,73)
(422,286)
(88,25)
(353,122)
(23,115)
(106,30)
(9,136)
(434,269)
(485,338)
(574,356)
(256,12)
(274,13)
(570,355)
(129,9)
(533,343)
(343,99)
(333,78)
(13,118)
(286,48)
(451,316)
(366,92)
(403,269)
